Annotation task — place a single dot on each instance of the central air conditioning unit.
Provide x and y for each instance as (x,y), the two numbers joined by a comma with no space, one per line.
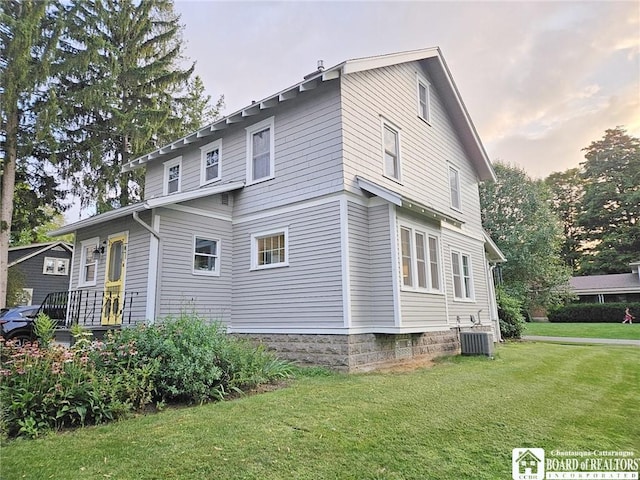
(476,343)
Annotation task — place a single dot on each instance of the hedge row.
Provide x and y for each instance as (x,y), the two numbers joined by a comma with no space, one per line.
(593,312)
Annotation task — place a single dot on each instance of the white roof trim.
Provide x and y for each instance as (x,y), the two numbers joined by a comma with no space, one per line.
(381,61)
(493,248)
(406,202)
(45,247)
(148,205)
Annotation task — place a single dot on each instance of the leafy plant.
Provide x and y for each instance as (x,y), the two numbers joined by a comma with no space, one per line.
(510,314)
(44,328)
(592,312)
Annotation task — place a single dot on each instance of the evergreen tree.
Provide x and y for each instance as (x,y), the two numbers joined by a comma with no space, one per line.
(28,35)
(120,96)
(611,205)
(517,215)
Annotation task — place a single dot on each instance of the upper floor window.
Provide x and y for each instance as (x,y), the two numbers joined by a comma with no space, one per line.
(206,256)
(391,145)
(420,260)
(173,176)
(454,188)
(424,99)
(270,249)
(210,156)
(55,266)
(462,277)
(88,262)
(260,151)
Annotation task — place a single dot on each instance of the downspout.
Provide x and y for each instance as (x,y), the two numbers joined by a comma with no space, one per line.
(152,273)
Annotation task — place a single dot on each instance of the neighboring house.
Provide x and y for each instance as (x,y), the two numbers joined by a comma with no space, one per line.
(337,221)
(616,287)
(44,268)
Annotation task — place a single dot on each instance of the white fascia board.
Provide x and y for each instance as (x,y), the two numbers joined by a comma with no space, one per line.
(379,191)
(380,61)
(493,248)
(606,290)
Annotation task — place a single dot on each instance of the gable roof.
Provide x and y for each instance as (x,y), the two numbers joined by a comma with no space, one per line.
(147,205)
(612,283)
(36,249)
(432,59)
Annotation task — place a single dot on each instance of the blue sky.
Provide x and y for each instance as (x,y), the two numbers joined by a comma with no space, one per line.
(541,80)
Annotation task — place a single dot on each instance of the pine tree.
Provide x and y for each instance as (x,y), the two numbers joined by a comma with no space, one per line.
(611,205)
(120,95)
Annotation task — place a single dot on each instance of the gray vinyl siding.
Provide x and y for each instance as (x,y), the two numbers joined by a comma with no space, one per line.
(452,240)
(381,271)
(426,150)
(179,289)
(32,276)
(136,267)
(308,154)
(307,294)
(359,264)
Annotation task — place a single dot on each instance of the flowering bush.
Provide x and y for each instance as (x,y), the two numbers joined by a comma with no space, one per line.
(181,360)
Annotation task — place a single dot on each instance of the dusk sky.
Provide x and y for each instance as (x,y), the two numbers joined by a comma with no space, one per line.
(541,80)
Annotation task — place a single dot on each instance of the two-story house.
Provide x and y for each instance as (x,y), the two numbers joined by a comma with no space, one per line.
(337,221)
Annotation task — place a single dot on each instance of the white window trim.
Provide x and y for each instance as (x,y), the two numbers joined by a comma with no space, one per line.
(457,170)
(203,161)
(471,297)
(392,126)
(256,127)
(65,261)
(254,248)
(82,281)
(413,229)
(167,165)
(213,273)
(420,80)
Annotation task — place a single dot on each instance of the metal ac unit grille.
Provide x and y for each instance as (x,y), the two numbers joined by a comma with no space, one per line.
(476,343)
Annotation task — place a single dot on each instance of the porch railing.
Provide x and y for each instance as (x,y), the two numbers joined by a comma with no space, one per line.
(87,307)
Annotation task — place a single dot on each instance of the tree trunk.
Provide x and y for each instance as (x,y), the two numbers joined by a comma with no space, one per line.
(6,200)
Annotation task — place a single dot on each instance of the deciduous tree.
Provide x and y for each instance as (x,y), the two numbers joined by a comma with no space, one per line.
(517,215)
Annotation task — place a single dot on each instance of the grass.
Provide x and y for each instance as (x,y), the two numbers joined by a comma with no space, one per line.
(584,330)
(460,419)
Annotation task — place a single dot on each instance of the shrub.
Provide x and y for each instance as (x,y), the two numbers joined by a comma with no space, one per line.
(198,362)
(510,315)
(593,312)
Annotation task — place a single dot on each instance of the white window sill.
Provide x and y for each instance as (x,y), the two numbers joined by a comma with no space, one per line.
(422,290)
(268,267)
(205,273)
(209,182)
(428,122)
(393,179)
(260,180)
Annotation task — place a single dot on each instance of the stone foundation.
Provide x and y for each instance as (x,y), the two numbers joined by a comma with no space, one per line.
(359,352)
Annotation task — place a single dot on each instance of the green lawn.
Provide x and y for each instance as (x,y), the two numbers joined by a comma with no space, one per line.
(584,330)
(458,420)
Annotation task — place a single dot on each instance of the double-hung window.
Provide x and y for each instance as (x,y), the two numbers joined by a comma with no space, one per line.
(206,256)
(88,262)
(260,151)
(391,150)
(270,249)
(210,167)
(173,176)
(462,277)
(420,260)
(424,99)
(454,188)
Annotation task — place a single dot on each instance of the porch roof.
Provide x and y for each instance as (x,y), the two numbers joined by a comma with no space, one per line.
(147,205)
